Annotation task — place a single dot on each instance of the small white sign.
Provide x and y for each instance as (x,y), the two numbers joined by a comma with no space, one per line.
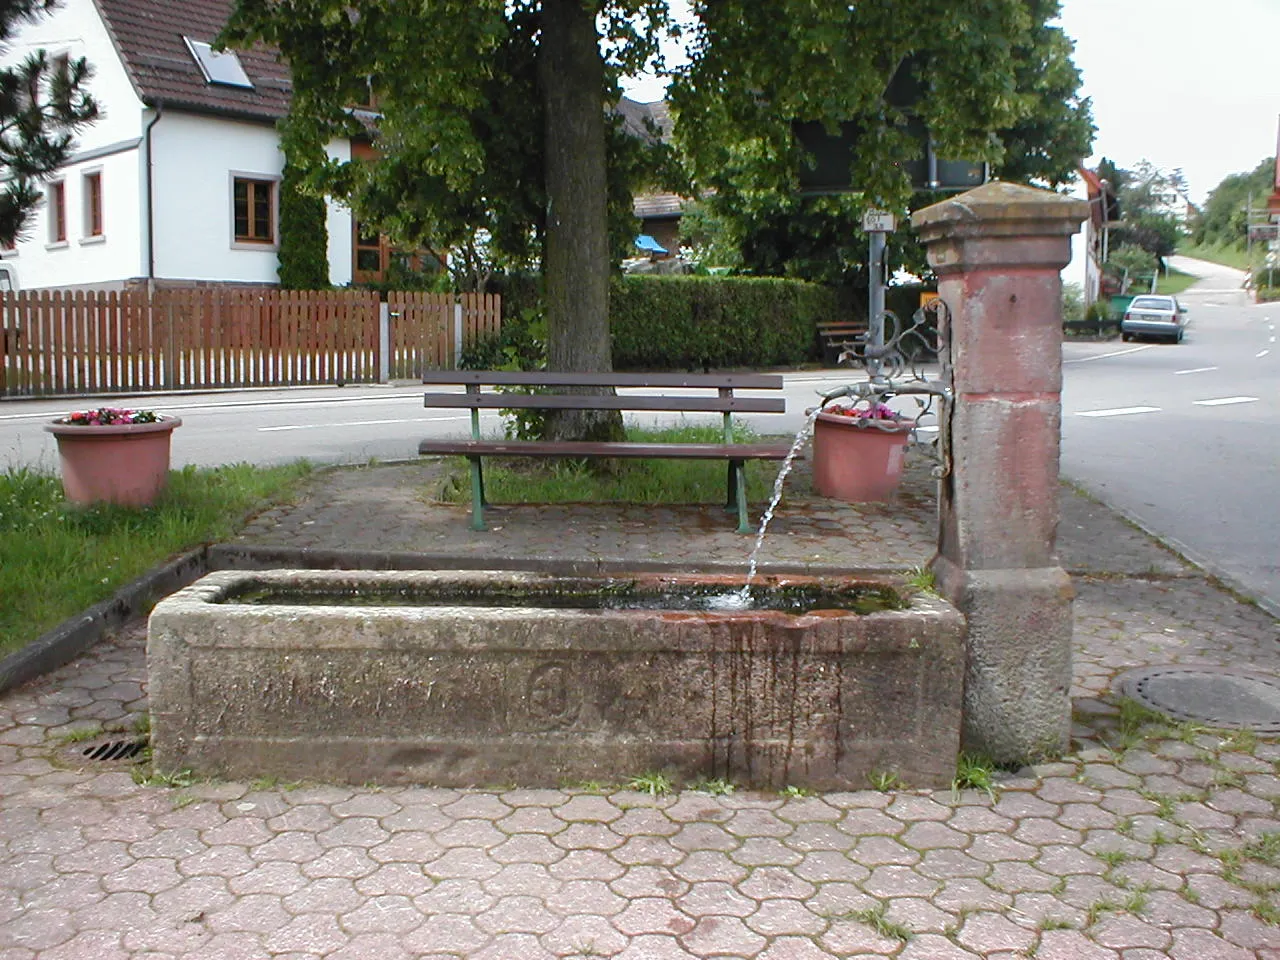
(878,221)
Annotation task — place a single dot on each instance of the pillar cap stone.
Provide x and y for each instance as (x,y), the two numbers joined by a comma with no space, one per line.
(1007,209)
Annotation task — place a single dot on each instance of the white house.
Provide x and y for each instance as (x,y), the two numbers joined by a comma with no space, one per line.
(178,181)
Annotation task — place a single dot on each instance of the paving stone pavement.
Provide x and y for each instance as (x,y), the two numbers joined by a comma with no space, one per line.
(1149,840)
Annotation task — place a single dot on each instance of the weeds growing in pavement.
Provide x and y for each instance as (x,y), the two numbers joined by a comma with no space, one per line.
(144,776)
(794,792)
(80,734)
(874,917)
(654,784)
(717,787)
(922,579)
(975,772)
(884,780)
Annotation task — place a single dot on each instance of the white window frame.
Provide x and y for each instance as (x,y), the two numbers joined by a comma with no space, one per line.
(274,180)
(53,242)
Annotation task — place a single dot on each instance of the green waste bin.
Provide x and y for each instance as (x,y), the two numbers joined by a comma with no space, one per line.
(1119,305)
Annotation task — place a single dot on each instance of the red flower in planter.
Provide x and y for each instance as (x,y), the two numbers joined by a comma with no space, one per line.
(858,411)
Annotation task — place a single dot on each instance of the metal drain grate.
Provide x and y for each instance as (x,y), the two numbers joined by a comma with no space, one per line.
(1217,696)
(115,749)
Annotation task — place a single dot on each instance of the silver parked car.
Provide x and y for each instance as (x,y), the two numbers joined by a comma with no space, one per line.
(1154,316)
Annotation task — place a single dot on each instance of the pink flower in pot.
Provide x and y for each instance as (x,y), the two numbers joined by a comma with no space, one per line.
(113,455)
(858,450)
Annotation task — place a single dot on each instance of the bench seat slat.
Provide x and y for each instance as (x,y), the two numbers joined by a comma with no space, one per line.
(548,401)
(662,451)
(533,378)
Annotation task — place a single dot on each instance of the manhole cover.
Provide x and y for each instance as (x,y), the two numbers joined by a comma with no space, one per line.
(1218,696)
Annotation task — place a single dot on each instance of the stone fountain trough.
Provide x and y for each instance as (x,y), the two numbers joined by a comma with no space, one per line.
(483,678)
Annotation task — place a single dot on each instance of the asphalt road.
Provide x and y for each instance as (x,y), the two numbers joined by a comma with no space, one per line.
(1183,439)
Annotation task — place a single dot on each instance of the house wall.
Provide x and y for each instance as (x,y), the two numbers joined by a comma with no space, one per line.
(195,160)
(111,146)
(339,223)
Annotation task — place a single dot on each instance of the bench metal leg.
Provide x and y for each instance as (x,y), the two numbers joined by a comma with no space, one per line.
(739,488)
(477,494)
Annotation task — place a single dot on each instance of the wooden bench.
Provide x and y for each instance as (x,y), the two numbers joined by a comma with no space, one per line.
(558,393)
(833,335)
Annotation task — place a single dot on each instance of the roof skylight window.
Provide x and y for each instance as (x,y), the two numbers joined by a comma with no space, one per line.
(220,68)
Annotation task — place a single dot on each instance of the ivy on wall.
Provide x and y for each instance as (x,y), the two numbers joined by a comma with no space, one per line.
(304,236)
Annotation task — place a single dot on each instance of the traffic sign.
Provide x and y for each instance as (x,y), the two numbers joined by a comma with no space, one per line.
(878,221)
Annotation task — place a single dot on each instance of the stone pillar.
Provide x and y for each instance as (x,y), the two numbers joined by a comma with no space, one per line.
(998,251)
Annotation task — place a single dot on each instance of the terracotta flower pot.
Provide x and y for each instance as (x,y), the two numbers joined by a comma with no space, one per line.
(852,462)
(126,464)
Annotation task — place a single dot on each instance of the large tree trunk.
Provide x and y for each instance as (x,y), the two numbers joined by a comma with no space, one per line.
(576,252)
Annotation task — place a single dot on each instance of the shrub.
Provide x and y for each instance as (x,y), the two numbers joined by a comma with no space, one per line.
(692,321)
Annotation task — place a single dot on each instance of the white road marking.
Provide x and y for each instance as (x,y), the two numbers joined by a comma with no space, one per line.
(1224,401)
(215,404)
(1104,356)
(1117,412)
(1261,353)
(1180,373)
(356,423)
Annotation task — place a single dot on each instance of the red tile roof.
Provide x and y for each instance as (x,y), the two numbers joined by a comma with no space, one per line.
(149,36)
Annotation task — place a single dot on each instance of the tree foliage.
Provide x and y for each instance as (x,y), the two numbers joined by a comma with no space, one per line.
(43,103)
(992,80)
(1149,198)
(1224,219)
(493,120)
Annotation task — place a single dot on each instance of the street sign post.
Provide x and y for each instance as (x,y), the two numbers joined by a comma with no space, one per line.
(876,224)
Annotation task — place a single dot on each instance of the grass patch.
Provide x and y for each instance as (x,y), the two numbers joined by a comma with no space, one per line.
(516,480)
(1174,282)
(1225,254)
(56,559)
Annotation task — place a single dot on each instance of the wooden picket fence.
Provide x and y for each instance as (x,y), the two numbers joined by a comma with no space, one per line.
(429,329)
(88,342)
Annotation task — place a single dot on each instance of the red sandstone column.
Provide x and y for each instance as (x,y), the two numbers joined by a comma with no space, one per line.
(998,251)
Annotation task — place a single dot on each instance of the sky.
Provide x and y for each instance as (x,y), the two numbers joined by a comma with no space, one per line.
(1193,84)
(1183,83)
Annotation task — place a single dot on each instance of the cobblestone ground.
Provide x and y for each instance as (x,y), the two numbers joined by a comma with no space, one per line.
(1149,840)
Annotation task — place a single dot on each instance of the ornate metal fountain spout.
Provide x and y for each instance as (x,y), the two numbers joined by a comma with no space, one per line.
(896,369)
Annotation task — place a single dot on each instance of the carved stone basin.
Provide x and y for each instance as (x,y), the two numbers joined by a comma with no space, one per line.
(483,678)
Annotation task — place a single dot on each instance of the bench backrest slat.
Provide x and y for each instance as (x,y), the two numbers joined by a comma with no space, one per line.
(535,378)
(547,401)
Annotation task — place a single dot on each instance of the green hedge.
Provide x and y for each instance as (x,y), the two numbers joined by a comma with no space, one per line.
(696,321)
